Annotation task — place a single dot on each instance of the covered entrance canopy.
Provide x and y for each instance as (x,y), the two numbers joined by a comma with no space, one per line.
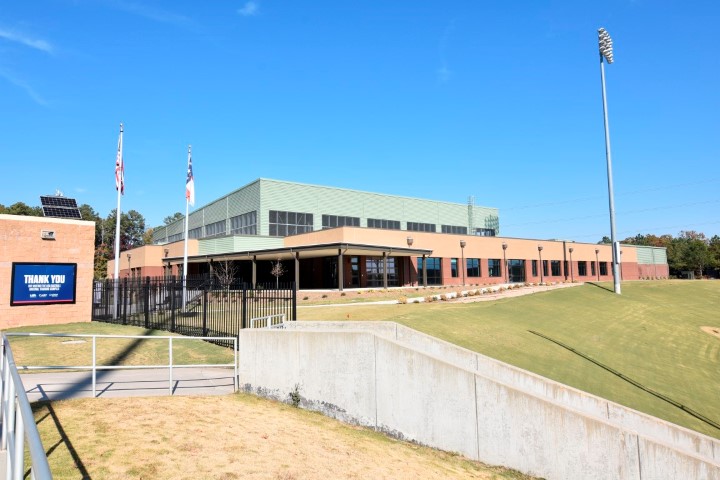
(328,265)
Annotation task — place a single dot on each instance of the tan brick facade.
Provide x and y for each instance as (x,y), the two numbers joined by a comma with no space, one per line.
(21,241)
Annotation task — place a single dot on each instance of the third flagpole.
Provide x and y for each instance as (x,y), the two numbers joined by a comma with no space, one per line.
(189,200)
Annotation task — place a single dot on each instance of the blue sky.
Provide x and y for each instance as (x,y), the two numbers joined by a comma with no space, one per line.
(433,99)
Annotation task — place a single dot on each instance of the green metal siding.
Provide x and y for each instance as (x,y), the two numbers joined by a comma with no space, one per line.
(237,243)
(318,200)
(651,255)
(264,195)
(244,200)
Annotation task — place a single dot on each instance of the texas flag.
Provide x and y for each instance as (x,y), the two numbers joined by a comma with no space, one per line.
(190,185)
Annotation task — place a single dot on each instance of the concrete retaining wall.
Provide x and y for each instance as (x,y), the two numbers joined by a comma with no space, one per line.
(665,432)
(365,378)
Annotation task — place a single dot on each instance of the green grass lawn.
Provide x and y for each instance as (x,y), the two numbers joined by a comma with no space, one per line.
(651,333)
(36,351)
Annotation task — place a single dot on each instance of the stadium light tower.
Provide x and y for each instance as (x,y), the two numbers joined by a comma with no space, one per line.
(606,53)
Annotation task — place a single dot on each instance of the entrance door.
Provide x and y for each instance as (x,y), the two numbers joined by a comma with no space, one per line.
(516,271)
(330,278)
(354,272)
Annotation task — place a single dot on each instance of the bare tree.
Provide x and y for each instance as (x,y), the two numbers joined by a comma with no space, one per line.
(278,270)
(225,272)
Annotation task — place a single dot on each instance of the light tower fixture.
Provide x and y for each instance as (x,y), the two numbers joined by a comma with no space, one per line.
(606,52)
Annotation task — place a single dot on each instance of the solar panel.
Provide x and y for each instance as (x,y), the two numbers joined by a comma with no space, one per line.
(57,201)
(57,206)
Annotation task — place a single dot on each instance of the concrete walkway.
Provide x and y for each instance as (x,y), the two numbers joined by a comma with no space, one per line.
(129,383)
(491,294)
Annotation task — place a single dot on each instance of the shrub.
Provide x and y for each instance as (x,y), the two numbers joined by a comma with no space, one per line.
(324,296)
(342,294)
(306,298)
(403,300)
(295,396)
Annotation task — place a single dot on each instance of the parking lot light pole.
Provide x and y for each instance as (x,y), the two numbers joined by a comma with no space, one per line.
(462,260)
(507,277)
(540,249)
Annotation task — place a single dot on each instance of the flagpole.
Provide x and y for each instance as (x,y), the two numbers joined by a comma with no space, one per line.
(187,221)
(185,254)
(120,186)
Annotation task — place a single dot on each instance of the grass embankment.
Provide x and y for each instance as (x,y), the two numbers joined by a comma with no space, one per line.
(230,437)
(651,333)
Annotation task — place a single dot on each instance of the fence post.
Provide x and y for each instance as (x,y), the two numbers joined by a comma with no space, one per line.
(125,299)
(243,322)
(172,304)
(294,301)
(146,299)
(204,310)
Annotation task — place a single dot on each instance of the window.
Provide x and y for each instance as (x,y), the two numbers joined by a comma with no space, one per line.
(473,267)
(545,268)
(213,229)
(283,224)
(494,267)
(453,229)
(592,268)
(194,233)
(177,237)
(386,224)
(534,268)
(485,232)
(332,221)
(434,272)
(454,267)
(375,272)
(555,268)
(245,224)
(603,268)
(582,269)
(420,227)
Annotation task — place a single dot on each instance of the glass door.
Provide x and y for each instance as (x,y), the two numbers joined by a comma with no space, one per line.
(516,271)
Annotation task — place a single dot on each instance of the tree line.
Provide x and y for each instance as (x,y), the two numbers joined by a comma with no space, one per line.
(690,251)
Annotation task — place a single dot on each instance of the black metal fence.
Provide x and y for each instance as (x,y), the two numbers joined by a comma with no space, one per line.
(198,306)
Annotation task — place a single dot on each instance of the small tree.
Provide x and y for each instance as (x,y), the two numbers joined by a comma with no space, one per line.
(278,270)
(225,272)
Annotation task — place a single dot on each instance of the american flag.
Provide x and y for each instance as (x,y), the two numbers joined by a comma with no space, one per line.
(120,167)
(190,185)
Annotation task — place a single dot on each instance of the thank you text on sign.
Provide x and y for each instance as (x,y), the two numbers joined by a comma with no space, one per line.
(43,283)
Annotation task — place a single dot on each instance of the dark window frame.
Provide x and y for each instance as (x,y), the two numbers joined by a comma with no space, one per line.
(494,267)
(473,267)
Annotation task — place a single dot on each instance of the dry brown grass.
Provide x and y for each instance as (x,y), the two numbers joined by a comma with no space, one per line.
(228,437)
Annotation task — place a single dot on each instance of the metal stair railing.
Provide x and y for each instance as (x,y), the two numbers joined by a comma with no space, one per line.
(18,423)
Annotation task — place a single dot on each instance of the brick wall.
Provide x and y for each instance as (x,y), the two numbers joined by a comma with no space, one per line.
(20,241)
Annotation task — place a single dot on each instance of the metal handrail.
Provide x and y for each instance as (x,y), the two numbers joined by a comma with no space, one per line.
(18,423)
(268,321)
(95,367)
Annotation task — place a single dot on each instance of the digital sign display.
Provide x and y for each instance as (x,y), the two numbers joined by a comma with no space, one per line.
(43,283)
